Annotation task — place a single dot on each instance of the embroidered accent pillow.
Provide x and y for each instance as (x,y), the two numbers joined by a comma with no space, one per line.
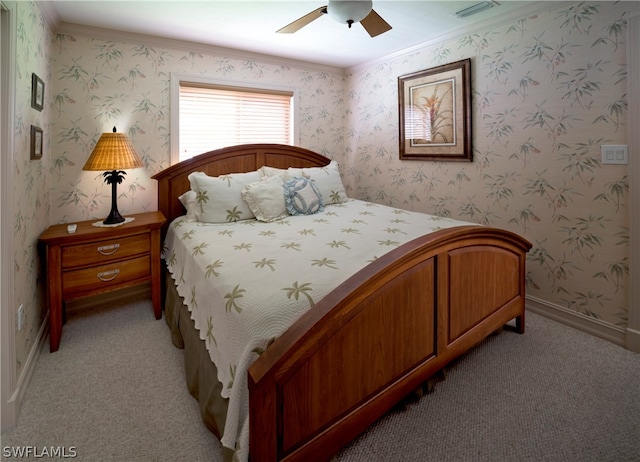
(327,179)
(302,197)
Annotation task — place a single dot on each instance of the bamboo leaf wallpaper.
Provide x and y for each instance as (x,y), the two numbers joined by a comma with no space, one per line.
(30,179)
(548,90)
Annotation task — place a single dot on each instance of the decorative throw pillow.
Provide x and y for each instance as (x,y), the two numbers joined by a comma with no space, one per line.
(326,178)
(266,199)
(188,200)
(302,197)
(219,199)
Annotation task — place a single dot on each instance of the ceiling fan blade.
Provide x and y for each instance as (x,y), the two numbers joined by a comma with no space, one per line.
(303,21)
(374,24)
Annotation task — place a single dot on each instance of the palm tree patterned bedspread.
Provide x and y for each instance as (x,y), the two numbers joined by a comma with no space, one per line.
(246,282)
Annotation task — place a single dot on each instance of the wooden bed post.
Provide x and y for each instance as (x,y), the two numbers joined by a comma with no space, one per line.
(263,443)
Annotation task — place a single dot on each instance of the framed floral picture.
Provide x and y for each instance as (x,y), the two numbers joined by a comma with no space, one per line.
(37,92)
(435,113)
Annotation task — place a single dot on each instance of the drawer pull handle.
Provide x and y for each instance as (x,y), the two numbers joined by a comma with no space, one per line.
(109,249)
(108,275)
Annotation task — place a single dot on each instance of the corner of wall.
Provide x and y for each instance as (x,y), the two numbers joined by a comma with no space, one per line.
(633,91)
(9,404)
(633,340)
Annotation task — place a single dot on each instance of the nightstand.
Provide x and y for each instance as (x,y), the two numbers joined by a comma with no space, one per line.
(95,260)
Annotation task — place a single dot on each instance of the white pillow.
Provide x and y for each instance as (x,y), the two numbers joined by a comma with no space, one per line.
(327,179)
(266,199)
(188,200)
(219,199)
(267,172)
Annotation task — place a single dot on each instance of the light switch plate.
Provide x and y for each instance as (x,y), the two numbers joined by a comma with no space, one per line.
(615,154)
(20,317)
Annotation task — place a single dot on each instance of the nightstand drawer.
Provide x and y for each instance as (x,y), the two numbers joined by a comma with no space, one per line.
(77,283)
(104,251)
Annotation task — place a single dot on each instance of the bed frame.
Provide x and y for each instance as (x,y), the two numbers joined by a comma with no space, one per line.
(379,335)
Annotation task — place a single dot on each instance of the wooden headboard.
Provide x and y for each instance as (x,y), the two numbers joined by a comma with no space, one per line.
(174,181)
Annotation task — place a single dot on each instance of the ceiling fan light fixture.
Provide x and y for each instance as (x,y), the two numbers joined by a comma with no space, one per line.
(349,11)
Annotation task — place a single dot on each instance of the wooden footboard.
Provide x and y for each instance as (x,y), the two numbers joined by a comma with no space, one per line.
(379,335)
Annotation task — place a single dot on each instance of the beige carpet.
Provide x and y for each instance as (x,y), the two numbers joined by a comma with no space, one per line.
(115,391)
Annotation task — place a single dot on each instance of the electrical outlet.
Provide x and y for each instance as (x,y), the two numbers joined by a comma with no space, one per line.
(20,317)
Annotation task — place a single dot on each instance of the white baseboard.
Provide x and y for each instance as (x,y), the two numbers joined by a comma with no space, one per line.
(15,402)
(579,321)
(633,340)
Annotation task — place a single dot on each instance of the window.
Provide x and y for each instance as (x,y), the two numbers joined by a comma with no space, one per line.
(213,114)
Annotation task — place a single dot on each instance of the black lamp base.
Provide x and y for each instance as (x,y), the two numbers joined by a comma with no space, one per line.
(114,177)
(114,217)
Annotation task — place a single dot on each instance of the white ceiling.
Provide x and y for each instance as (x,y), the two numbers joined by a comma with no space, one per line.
(251,25)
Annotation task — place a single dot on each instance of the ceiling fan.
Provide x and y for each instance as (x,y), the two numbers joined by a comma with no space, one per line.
(346,12)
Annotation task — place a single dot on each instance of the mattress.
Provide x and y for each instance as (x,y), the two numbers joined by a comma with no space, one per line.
(245,283)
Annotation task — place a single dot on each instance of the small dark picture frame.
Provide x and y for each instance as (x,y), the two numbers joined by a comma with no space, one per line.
(36,143)
(37,92)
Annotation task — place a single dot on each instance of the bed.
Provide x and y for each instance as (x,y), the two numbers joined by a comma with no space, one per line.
(370,340)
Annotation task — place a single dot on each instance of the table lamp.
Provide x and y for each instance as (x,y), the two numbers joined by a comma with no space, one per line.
(113,152)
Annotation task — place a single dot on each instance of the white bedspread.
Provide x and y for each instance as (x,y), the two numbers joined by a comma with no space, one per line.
(245,283)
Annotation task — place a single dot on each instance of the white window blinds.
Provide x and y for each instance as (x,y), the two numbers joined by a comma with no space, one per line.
(213,117)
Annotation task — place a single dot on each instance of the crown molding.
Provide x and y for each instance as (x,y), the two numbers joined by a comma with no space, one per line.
(65,28)
(50,14)
(464,30)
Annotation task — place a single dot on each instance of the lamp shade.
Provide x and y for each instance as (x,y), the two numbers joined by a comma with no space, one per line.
(113,151)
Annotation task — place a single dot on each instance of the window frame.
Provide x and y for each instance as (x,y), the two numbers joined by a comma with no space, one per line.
(194,80)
